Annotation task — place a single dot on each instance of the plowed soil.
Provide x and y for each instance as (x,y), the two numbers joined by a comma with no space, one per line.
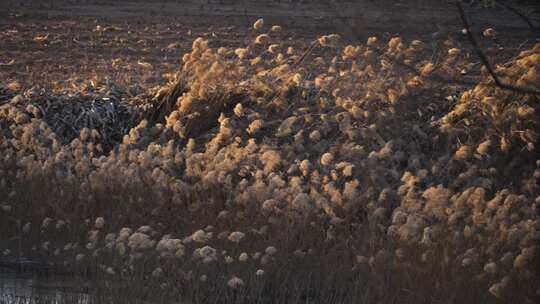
(65,43)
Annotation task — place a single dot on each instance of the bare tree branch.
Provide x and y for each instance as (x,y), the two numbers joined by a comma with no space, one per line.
(517,12)
(436,78)
(484,59)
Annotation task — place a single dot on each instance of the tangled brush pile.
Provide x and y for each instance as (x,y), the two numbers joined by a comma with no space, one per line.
(106,117)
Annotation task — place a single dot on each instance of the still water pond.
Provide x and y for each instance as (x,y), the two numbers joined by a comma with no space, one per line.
(25,289)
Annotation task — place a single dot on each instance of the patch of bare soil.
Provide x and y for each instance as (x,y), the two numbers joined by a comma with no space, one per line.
(65,43)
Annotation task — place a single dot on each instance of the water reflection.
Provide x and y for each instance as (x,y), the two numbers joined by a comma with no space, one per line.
(26,289)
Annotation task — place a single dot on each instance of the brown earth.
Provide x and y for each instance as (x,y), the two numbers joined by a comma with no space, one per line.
(65,43)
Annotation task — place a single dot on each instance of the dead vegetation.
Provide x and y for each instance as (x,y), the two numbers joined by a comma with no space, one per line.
(272,173)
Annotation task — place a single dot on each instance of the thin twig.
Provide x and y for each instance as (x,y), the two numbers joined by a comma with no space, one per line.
(310,49)
(484,59)
(432,77)
(518,13)
(298,62)
(485,62)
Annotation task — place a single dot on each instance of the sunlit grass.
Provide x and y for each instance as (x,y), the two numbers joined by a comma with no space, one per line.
(267,178)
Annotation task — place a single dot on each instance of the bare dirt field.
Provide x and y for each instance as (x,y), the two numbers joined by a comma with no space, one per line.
(58,43)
